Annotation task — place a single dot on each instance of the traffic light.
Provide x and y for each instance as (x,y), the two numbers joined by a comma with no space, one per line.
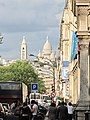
(53,88)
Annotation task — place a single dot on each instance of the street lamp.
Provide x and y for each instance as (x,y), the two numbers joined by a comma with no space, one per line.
(50,63)
(1,38)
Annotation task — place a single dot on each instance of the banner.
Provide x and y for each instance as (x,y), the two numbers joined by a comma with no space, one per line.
(65,63)
(74,47)
(65,73)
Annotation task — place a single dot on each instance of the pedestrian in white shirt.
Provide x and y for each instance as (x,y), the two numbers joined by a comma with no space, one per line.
(34,109)
(70,111)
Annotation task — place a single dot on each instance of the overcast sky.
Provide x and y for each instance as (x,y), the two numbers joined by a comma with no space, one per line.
(35,19)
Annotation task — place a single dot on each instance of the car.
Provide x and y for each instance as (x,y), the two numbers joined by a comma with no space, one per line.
(46,98)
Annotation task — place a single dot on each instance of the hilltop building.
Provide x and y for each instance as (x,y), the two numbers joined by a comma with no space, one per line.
(24,49)
(46,66)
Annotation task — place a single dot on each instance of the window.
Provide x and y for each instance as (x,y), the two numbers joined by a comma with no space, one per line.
(8,86)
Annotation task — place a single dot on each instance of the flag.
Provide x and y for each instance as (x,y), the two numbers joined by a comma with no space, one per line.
(64,73)
(74,47)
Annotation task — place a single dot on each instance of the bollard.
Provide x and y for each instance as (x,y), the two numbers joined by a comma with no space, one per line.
(87,115)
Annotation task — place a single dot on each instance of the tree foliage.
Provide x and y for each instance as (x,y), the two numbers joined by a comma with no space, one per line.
(21,71)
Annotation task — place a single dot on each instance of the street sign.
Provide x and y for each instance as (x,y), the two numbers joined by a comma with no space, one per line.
(34,87)
(53,94)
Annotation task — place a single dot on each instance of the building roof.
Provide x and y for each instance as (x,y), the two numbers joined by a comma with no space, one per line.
(47,48)
(82,1)
(24,40)
(39,54)
(52,56)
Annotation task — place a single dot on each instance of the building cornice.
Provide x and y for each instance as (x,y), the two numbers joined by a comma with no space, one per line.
(82,4)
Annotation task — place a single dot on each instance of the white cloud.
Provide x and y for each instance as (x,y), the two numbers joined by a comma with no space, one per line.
(36,18)
(32,13)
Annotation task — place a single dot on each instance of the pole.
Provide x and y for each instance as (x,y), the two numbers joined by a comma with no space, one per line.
(89,76)
(34,95)
(1,37)
(54,78)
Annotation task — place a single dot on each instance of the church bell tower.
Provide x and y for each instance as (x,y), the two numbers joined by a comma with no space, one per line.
(23,49)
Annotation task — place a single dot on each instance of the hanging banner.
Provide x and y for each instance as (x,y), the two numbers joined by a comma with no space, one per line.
(65,73)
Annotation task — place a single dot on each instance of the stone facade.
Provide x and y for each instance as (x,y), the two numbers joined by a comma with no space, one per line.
(83,33)
(76,17)
(68,27)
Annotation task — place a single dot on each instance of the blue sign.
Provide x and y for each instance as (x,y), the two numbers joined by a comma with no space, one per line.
(34,87)
(74,48)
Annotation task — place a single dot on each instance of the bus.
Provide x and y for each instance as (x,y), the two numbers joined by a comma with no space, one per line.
(13,91)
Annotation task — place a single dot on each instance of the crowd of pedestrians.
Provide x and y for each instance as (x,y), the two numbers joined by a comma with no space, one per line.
(18,111)
(30,111)
(62,111)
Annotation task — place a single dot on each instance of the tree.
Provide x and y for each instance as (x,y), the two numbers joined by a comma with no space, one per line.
(21,71)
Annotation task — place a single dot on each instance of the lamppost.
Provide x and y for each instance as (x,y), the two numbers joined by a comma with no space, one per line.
(50,63)
(1,38)
(1,41)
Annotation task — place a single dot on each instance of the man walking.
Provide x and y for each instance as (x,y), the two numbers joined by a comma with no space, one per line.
(62,112)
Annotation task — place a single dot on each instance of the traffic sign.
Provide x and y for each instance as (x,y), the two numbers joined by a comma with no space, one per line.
(53,94)
(34,87)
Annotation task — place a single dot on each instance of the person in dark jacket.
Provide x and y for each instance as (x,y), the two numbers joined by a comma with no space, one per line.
(62,112)
(52,111)
(25,112)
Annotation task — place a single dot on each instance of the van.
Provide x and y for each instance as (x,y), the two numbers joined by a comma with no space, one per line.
(46,98)
(36,96)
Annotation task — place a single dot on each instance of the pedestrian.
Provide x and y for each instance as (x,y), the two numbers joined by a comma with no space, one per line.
(58,104)
(2,112)
(34,109)
(25,112)
(17,108)
(46,105)
(52,111)
(62,112)
(70,111)
(27,99)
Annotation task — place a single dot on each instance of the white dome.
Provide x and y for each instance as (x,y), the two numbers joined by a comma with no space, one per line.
(47,48)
